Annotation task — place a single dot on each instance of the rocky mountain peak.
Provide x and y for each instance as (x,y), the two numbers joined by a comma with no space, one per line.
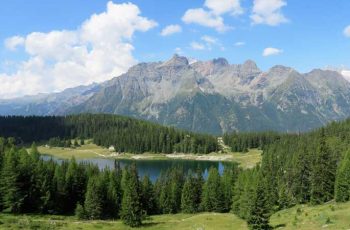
(220,62)
(250,66)
(176,61)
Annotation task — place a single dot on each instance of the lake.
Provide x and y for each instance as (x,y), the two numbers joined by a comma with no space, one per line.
(153,168)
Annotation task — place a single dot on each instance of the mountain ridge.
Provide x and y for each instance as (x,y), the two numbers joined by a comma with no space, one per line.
(208,96)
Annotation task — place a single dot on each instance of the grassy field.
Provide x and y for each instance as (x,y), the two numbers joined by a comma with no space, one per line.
(328,216)
(246,160)
(203,221)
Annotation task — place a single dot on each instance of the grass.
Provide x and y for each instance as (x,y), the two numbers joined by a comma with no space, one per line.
(327,216)
(246,160)
(83,152)
(203,221)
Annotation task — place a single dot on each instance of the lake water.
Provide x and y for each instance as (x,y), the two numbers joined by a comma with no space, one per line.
(153,168)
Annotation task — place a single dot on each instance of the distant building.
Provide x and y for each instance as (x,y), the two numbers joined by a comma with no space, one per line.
(111,148)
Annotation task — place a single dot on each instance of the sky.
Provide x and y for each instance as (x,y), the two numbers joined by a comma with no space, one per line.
(47,46)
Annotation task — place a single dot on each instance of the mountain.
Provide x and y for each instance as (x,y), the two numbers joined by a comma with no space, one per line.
(206,96)
(48,104)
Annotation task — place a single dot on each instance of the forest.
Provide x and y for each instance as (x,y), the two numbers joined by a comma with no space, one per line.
(309,168)
(126,134)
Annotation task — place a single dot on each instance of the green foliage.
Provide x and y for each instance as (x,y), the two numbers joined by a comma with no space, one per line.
(213,196)
(323,173)
(188,196)
(131,210)
(260,211)
(126,134)
(94,199)
(342,183)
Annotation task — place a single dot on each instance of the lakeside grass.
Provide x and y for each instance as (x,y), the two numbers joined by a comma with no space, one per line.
(88,151)
(205,221)
(304,217)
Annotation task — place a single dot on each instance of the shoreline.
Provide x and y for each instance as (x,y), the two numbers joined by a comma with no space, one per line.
(90,151)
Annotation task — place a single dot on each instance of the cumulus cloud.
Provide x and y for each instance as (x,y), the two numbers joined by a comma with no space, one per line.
(14,42)
(205,18)
(211,15)
(347,31)
(99,49)
(270,51)
(171,29)
(224,6)
(268,12)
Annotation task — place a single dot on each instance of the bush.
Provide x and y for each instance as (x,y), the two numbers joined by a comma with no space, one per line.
(80,212)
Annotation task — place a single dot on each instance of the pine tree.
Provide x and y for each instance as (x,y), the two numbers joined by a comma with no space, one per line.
(131,212)
(188,197)
(323,173)
(212,196)
(114,194)
(342,183)
(259,213)
(10,191)
(93,205)
(148,196)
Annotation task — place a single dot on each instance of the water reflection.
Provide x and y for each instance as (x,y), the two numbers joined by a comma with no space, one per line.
(153,168)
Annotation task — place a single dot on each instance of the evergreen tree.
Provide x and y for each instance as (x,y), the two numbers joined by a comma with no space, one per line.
(131,210)
(114,194)
(93,205)
(148,196)
(212,196)
(259,214)
(11,198)
(323,173)
(188,197)
(342,183)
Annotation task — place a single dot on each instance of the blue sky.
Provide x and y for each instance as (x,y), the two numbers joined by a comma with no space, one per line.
(297,33)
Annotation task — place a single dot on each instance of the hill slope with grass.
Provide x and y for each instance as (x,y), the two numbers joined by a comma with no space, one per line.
(205,221)
(304,217)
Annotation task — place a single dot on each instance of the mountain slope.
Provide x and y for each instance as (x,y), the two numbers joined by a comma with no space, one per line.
(208,96)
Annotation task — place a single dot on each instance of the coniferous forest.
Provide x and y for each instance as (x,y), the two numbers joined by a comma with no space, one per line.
(126,134)
(310,168)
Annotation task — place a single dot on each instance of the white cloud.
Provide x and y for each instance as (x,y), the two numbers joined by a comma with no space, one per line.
(13,42)
(347,31)
(207,43)
(211,14)
(171,29)
(224,6)
(239,44)
(271,51)
(197,46)
(100,49)
(268,12)
(346,74)
(209,39)
(204,18)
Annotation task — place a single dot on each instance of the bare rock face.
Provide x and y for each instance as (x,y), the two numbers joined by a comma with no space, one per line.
(209,96)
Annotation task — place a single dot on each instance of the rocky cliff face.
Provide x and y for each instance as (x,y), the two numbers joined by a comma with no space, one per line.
(212,96)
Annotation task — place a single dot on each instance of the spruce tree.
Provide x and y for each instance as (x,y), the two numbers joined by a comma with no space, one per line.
(188,197)
(212,196)
(342,183)
(11,198)
(323,173)
(148,196)
(93,205)
(131,211)
(259,213)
